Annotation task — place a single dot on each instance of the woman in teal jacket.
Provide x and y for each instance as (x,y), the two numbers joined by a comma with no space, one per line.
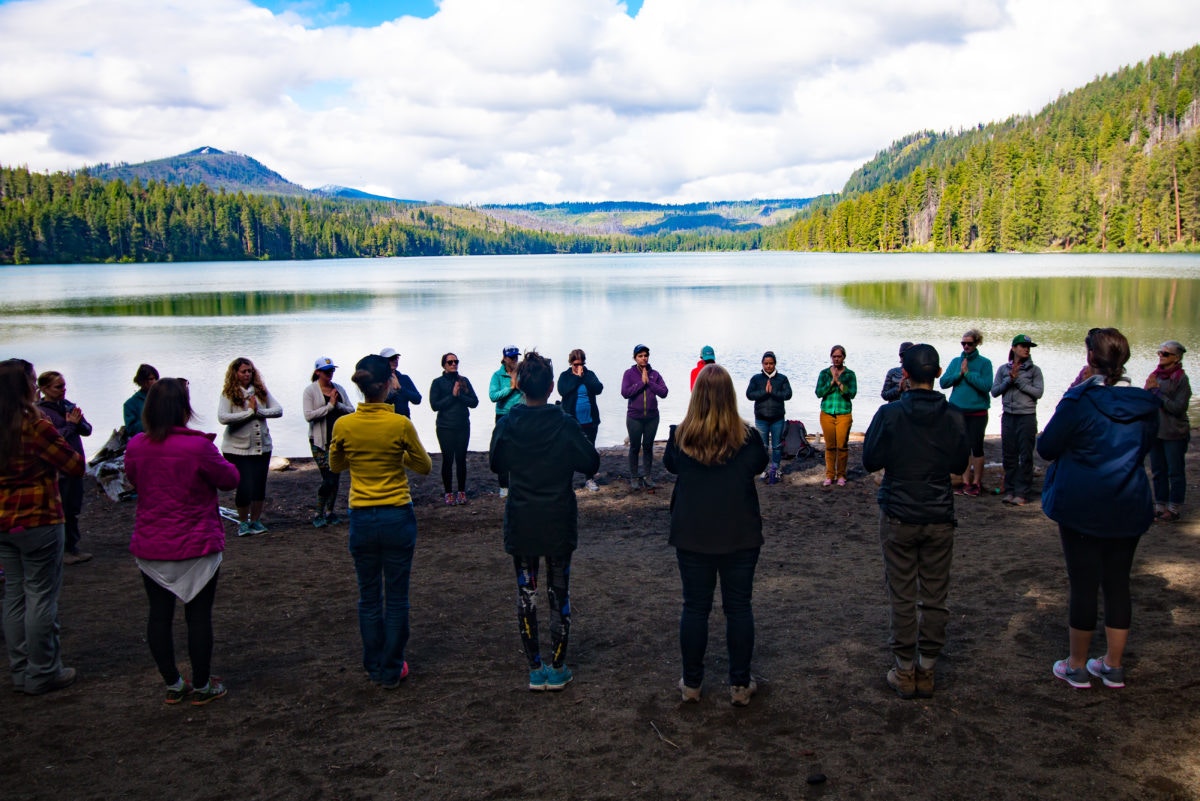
(969,379)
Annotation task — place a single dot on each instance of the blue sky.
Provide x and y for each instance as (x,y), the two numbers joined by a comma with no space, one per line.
(511,101)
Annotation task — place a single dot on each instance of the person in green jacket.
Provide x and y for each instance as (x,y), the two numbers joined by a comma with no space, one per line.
(969,379)
(836,387)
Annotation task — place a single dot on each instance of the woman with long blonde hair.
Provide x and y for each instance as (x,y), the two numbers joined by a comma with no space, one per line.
(716,528)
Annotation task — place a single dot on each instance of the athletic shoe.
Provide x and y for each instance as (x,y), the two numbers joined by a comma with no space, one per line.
(841,482)
(244,529)
(827,482)
(537,679)
(1113,677)
(209,692)
(591,485)
(635,483)
(973,490)
(504,492)
(76,557)
(257,527)
(1076,677)
(740,696)
(391,685)
(689,695)
(648,482)
(904,682)
(319,521)
(1168,516)
(1008,498)
(461,500)
(961,489)
(175,695)
(449,498)
(331,519)
(1018,501)
(558,677)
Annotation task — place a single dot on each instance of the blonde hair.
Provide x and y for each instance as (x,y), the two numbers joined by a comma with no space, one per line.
(233,390)
(711,431)
(974,334)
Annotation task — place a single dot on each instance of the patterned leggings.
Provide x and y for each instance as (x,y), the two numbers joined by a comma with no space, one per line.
(330,481)
(558,579)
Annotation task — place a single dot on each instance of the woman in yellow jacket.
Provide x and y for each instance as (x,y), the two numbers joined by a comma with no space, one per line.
(376,445)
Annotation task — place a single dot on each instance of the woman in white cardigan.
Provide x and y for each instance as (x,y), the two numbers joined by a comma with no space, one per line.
(324,403)
(243,409)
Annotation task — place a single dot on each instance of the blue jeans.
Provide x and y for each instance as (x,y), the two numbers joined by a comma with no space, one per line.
(1166,466)
(33,565)
(698,573)
(382,541)
(772,437)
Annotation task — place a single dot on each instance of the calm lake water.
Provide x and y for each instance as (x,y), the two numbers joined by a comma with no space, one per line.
(96,323)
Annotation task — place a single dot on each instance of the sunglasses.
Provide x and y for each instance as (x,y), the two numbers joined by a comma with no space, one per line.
(966,343)
(451,361)
(1167,353)
(577,364)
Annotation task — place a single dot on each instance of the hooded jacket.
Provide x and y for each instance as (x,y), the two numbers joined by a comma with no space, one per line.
(1098,439)
(920,441)
(642,398)
(769,406)
(541,449)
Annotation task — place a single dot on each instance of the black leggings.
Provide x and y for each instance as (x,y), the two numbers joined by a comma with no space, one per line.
(197,613)
(1095,563)
(252,477)
(558,584)
(641,439)
(453,442)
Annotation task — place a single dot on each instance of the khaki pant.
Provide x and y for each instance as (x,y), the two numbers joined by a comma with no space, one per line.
(916,561)
(836,430)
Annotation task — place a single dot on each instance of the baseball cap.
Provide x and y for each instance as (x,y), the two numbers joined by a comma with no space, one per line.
(324,363)
(921,362)
(1023,339)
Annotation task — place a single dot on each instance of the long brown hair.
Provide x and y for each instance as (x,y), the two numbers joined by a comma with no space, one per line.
(711,431)
(16,406)
(1108,350)
(168,404)
(233,390)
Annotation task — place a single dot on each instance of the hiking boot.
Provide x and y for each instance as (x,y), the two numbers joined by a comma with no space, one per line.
(209,692)
(558,677)
(1113,677)
(689,695)
(740,696)
(591,485)
(1076,677)
(244,529)
(257,527)
(175,695)
(449,498)
(924,682)
(76,558)
(537,679)
(460,499)
(904,682)
(318,521)
(65,678)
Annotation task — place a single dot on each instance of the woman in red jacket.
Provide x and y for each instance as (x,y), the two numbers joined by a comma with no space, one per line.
(178,536)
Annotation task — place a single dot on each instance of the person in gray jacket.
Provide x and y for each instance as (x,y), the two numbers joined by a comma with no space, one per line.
(1019,385)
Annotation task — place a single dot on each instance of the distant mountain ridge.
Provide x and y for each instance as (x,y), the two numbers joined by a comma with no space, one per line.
(637,218)
(215,168)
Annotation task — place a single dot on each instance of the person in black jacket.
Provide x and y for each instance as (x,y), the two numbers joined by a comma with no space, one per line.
(401,389)
(541,449)
(579,387)
(769,389)
(716,528)
(452,397)
(920,441)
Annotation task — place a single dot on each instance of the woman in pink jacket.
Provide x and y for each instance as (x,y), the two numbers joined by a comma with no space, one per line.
(178,536)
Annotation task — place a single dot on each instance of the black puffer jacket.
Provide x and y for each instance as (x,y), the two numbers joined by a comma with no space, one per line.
(920,440)
(769,405)
(570,385)
(541,449)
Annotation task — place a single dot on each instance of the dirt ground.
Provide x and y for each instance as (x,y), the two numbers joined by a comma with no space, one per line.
(302,721)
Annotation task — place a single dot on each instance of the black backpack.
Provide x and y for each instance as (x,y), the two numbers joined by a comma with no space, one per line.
(795,441)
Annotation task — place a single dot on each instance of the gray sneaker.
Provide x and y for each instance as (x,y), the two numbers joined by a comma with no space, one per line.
(648,482)
(1113,677)
(1076,677)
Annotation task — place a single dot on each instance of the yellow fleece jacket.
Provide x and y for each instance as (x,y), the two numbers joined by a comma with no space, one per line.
(376,445)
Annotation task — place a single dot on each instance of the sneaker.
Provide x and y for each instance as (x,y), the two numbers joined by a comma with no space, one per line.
(1076,677)
(175,695)
(740,696)
(1018,501)
(772,475)
(635,483)
(537,679)
(973,490)
(391,685)
(1008,498)
(257,527)
(924,682)
(65,678)
(904,682)
(591,485)
(648,482)
(841,482)
(961,489)
(558,677)
(504,492)
(689,695)
(209,692)
(331,519)
(244,529)
(1113,677)
(449,498)
(1169,516)
(76,558)
(827,482)
(461,499)
(318,521)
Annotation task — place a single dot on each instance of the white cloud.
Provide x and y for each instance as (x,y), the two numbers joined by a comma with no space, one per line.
(521,100)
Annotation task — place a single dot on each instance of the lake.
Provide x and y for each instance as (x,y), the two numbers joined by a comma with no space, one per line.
(96,323)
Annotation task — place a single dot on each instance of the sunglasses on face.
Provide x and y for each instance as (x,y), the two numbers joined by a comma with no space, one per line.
(451,361)
(577,364)
(1166,353)
(967,343)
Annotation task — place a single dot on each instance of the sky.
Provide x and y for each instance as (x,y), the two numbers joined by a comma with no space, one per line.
(514,101)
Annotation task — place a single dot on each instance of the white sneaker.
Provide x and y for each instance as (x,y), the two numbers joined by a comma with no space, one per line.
(592,486)
(504,492)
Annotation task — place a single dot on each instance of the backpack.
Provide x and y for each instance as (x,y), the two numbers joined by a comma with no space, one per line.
(795,441)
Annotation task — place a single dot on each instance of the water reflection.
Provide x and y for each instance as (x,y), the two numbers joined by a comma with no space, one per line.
(211,304)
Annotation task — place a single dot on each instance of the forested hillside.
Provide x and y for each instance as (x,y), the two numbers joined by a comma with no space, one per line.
(1112,166)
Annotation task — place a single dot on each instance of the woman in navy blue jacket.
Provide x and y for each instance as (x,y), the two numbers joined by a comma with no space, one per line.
(1097,491)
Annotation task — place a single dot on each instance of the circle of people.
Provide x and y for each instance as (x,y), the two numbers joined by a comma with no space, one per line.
(920,439)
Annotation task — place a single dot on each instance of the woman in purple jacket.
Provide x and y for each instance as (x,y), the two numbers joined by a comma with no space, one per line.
(642,386)
(178,536)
